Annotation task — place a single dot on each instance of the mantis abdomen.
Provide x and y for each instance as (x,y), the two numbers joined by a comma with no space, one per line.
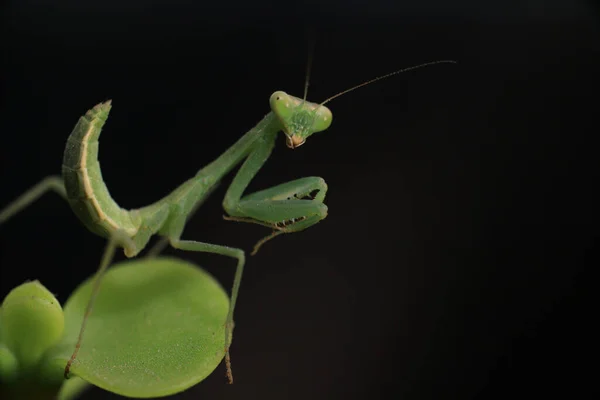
(86,192)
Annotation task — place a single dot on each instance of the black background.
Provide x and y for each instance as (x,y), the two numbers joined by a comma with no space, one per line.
(451,264)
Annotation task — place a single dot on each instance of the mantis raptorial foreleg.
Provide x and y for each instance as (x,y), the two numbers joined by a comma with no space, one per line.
(286,208)
(283,208)
(54,183)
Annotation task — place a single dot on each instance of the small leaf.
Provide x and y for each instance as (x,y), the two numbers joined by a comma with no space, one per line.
(32,322)
(157,328)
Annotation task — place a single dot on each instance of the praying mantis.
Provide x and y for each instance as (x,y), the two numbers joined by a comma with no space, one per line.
(285,208)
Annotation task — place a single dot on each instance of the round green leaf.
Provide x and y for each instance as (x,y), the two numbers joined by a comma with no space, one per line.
(157,328)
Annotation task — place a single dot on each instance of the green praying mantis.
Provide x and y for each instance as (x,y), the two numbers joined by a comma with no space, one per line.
(285,208)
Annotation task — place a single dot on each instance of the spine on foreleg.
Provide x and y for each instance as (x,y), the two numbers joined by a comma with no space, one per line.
(86,192)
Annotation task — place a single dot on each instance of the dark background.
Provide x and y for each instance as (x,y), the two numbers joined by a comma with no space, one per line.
(451,264)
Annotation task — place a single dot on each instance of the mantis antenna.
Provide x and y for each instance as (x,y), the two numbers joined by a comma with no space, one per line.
(386,76)
(308,67)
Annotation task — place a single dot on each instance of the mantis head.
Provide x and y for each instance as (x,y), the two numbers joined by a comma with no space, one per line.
(299,118)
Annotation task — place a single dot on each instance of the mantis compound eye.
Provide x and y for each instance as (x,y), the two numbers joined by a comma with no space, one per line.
(323,119)
(282,104)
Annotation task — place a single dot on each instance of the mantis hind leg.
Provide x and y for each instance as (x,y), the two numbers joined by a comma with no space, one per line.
(117,239)
(163,242)
(54,183)
(290,207)
(238,254)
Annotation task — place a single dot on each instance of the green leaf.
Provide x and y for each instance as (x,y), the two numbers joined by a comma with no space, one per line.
(157,328)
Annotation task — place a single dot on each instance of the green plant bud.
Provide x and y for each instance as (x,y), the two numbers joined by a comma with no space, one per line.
(32,322)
